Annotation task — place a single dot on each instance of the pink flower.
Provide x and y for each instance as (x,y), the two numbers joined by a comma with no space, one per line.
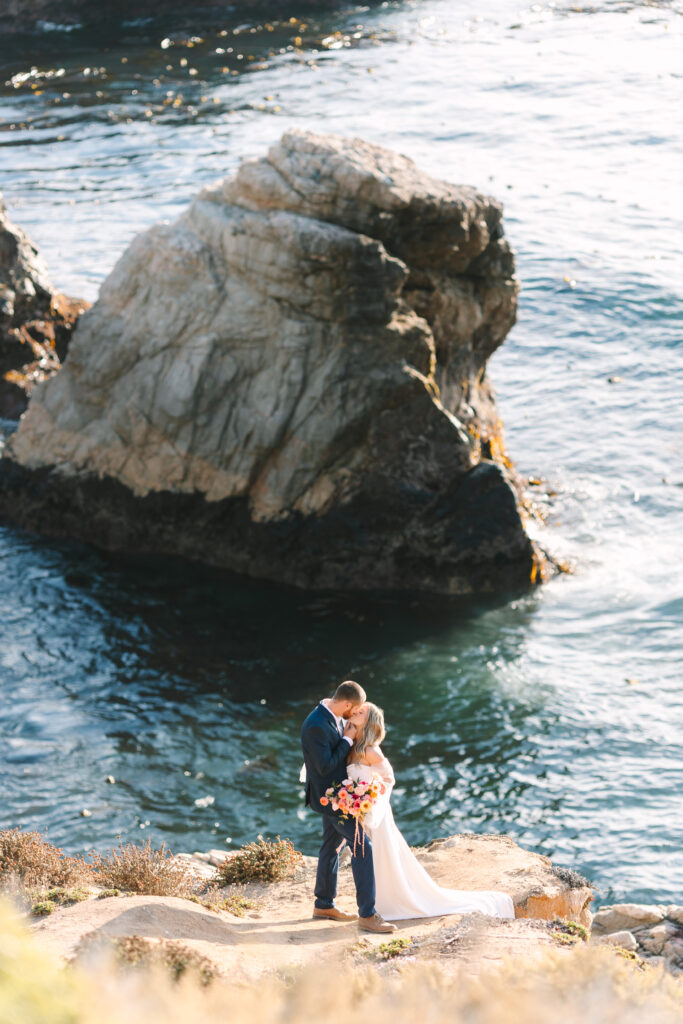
(324,801)
(347,782)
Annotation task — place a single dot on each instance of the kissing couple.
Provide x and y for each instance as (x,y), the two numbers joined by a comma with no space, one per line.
(341,741)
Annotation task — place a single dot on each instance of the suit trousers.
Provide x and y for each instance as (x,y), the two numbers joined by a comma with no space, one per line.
(334,831)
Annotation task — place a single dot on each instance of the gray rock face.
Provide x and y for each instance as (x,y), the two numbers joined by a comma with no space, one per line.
(290,381)
(35,320)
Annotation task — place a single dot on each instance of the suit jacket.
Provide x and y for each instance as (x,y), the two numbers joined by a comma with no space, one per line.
(325,754)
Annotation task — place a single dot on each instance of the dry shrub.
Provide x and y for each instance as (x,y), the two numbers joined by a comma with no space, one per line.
(35,863)
(137,951)
(142,870)
(263,861)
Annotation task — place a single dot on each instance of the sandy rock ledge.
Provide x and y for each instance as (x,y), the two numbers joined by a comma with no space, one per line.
(280,931)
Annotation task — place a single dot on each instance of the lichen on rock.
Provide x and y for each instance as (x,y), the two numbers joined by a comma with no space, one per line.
(290,382)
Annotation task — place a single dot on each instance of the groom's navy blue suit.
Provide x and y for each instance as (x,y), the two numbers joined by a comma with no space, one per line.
(325,754)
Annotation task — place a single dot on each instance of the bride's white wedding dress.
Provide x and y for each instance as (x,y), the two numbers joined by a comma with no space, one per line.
(404,889)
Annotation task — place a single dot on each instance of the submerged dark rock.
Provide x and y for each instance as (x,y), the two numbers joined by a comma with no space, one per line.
(290,382)
(27,15)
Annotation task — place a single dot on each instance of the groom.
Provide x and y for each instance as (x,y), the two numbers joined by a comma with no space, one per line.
(327,740)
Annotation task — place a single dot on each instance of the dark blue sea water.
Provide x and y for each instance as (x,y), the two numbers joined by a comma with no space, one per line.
(556,717)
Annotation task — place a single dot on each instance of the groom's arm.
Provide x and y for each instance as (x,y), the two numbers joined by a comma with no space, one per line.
(326,757)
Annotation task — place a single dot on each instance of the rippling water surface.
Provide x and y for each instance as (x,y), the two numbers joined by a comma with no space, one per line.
(556,717)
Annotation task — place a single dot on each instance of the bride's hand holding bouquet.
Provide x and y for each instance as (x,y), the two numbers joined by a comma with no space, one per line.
(354,800)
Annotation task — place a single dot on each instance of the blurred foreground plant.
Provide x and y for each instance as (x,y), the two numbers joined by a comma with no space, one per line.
(585,985)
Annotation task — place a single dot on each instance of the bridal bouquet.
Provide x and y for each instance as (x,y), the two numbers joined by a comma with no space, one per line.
(354,800)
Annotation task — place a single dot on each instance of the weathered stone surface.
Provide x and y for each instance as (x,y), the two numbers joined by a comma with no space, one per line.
(654,940)
(35,321)
(673,949)
(626,917)
(290,381)
(675,913)
(624,940)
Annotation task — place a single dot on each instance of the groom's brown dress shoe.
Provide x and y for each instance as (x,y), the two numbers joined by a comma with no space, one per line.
(375,924)
(332,914)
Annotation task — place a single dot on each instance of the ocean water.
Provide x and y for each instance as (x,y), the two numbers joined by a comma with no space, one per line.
(556,717)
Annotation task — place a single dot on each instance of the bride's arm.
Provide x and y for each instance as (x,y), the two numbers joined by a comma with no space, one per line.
(381,765)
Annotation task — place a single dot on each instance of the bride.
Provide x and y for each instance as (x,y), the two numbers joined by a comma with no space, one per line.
(404,889)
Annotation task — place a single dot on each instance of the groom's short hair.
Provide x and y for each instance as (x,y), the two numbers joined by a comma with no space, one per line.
(349,690)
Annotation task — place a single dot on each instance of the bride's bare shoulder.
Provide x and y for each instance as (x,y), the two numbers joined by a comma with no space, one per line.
(373,755)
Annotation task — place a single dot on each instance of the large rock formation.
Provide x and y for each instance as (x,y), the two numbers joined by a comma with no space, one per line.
(290,382)
(35,320)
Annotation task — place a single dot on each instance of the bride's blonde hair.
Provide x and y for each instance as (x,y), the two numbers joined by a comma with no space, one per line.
(372,733)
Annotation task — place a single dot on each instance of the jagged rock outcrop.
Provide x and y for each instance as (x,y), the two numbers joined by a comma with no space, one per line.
(290,382)
(36,321)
